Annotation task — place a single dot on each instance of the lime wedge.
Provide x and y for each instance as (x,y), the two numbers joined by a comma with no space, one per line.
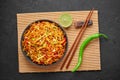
(65,20)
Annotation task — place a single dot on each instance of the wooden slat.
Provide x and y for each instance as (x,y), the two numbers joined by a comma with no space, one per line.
(91,57)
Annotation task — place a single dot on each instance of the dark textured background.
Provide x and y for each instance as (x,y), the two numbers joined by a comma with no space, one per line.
(109,23)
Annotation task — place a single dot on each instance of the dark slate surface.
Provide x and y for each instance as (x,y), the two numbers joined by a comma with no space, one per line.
(109,23)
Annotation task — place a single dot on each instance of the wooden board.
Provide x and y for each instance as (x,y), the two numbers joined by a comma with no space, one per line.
(91,57)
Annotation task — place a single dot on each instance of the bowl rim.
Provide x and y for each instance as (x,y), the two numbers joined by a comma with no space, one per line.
(24,52)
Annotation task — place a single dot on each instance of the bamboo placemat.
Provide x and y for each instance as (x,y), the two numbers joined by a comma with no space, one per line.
(91,57)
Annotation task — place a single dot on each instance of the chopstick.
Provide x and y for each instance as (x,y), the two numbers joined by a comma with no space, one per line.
(75,44)
(79,37)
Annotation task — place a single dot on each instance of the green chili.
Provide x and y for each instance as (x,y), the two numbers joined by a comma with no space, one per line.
(83,45)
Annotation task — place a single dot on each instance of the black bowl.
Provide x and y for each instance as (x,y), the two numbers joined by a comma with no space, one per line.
(25,53)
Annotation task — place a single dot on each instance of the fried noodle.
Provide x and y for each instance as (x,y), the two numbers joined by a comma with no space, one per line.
(44,42)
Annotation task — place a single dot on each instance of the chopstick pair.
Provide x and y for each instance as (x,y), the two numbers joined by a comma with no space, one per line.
(76,42)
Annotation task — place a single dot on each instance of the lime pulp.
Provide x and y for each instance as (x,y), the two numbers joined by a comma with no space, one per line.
(65,20)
